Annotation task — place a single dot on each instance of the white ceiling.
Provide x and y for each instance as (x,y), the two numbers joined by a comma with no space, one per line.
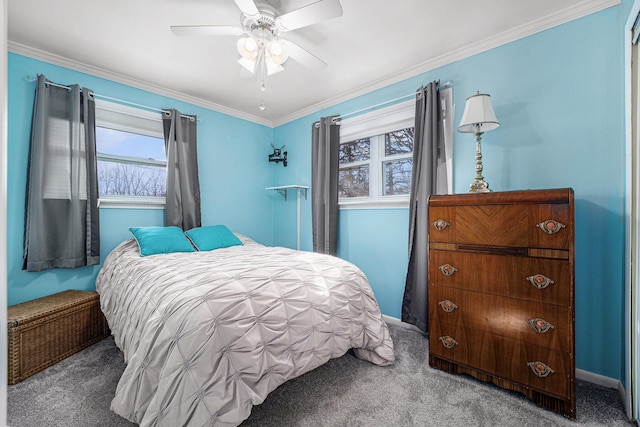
(373,44)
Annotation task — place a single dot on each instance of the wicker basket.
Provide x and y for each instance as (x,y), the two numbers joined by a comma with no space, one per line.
(46,330)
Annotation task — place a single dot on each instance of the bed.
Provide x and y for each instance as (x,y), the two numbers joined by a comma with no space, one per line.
(207,335)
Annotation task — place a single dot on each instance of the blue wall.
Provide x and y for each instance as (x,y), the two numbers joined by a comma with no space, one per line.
(559,97)
(233,174)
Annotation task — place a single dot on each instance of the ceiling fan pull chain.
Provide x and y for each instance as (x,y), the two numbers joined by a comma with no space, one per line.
(262,57)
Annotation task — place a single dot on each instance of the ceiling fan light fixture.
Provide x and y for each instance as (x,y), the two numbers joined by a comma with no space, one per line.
(262,53)
(273,67)
(248,48)
(253,53)
(278,52)
(275,48)
(249,64)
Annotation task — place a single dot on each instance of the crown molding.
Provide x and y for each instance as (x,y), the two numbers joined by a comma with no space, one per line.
(129,81)
(563,16)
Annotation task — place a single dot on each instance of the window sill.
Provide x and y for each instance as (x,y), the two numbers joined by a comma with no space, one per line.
(107,202)
(377,204)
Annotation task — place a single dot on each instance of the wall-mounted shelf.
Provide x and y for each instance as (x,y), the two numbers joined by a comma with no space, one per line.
(282,189)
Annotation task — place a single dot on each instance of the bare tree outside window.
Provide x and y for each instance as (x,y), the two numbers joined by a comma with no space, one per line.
(399,142)
(355,151)
(397,173)
(397,177)
(122,179)
(354,182)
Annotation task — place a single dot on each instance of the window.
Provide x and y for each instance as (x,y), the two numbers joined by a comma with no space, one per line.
(397,162)
(376,156)
(391,152)
(131,156)
(130,164)
(353,178)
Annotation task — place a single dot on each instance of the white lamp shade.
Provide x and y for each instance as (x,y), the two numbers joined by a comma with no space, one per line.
(247,47)
(249,64)
(273,67)
(478,115)
(277,52)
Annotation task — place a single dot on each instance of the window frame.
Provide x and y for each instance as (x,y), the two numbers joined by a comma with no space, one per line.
(123,118)
(374,125)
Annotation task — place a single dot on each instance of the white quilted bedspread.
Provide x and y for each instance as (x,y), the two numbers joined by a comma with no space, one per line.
(207,335)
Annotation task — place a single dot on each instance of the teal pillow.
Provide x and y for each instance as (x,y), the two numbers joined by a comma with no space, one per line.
(212,237)
(161,240)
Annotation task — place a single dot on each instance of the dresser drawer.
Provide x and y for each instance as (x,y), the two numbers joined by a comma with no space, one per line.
(520,225)
(545,325)
(535,279)
(503,357)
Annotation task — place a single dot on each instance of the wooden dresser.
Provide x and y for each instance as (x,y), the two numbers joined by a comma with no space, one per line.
(501,291)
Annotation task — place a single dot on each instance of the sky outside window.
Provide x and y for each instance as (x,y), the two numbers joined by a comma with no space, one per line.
(127,144)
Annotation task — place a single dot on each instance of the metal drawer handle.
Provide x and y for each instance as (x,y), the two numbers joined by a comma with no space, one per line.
(540,325)
(447,269)
(448,341)
(448,306)
(440,224)
(550,226)
(540,369)
(540,281)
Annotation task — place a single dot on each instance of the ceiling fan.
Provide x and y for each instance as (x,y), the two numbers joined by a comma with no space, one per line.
(262,49)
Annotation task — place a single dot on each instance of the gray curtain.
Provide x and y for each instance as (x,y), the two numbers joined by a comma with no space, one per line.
(428,158)
(183,185)
(62,228)
(325,143)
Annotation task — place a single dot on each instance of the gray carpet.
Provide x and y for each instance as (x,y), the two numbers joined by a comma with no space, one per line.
(343,392)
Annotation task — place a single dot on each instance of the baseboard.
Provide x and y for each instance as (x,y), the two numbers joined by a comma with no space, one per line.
(580,374)
(603,381)
(599,379)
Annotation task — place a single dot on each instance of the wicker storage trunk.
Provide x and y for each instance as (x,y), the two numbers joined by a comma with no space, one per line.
(46,330)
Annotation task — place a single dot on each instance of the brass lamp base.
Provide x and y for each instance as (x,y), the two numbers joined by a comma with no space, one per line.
(479,185)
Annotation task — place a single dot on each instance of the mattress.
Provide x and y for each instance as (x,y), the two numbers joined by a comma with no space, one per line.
(207,335)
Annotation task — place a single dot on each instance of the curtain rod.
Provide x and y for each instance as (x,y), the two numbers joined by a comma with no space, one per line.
(444,85)
(108,98)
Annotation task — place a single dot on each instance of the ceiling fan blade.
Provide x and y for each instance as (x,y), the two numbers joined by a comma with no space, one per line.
(206,30)
(248,9)
(302,55)
(316,12)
